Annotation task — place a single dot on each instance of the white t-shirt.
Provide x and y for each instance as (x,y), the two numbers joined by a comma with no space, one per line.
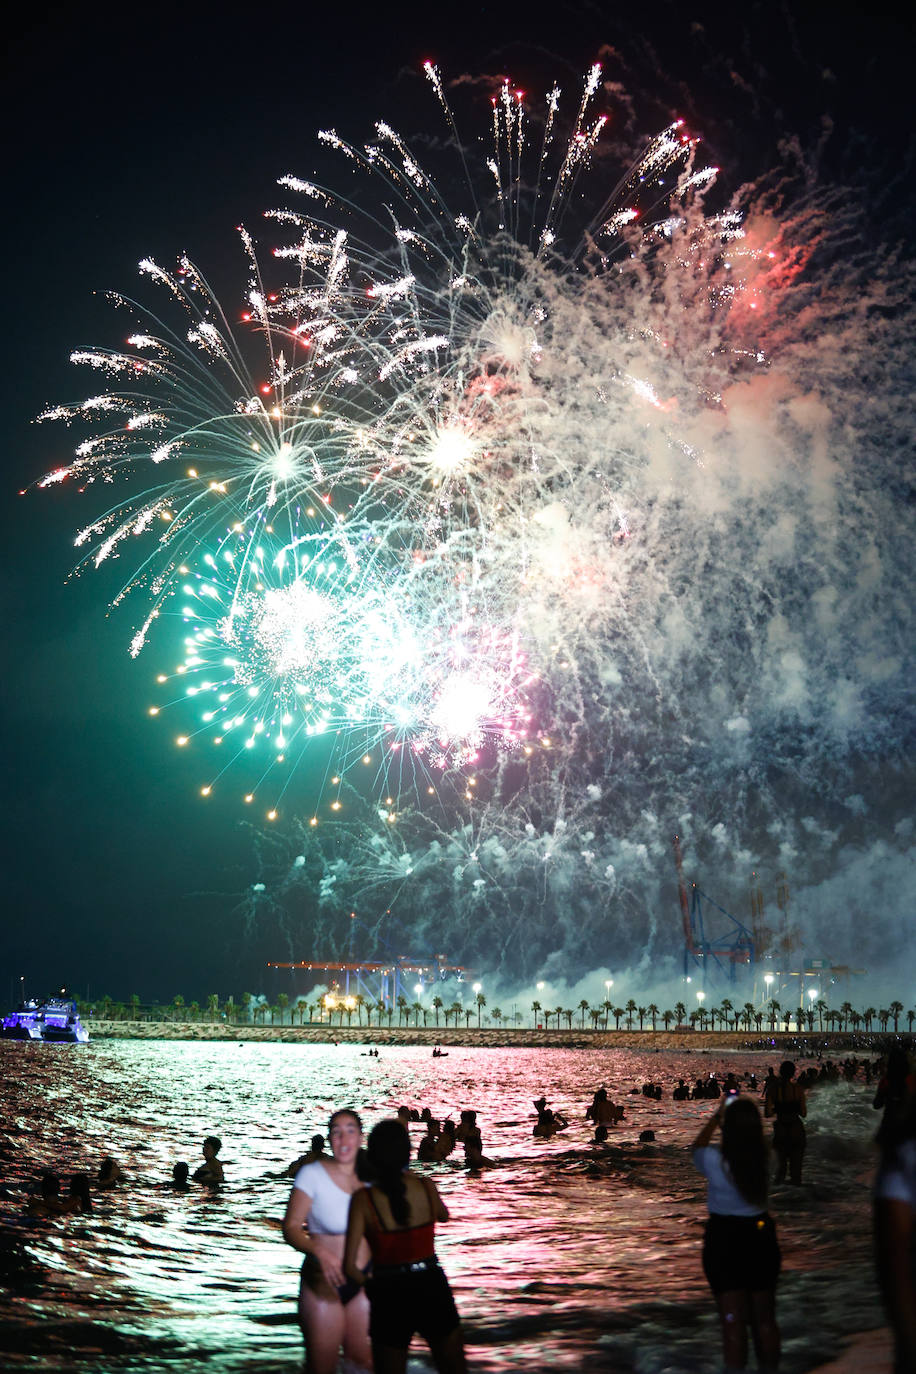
(896,1181)
(330,1204)
(723,1198)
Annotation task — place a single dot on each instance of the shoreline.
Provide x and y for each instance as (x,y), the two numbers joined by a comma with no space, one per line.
(488,1037)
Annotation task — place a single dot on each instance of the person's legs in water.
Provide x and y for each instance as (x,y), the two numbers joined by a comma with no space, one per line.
(323,1325)
(767,1344)
(733,1315)
(782,1157)
(357,1347)
(386,1359)
(448,1354)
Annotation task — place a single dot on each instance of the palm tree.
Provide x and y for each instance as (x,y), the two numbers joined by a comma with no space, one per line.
(896,1008)
(134,1007)
(468,1013)
(403,1009)
(245,1006)
(680,1011)
(884,1016)
(608,1008)
(641,1013)
(630,1008)
(726,1008)
(596,1014)
(748,1015)
(569,1013)
(856,1020)
(618,1012)
(652,1012)
(775,1009)
(820,1006)
(535,1007)
(481,1003)
(177,1003)
(846,1012)
(583,1008)
(194,1010)
(867,1016)
(438,1004)
(497,1015)
(416,1009)
(558,1012)
(910,1018)
(456,1012)
(667,1018)
(282,1004)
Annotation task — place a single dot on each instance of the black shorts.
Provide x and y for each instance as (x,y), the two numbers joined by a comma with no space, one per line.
(741,1253)
(402,1304)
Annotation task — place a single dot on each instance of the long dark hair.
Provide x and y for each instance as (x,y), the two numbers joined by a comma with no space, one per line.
(389,1155)
(744,1150)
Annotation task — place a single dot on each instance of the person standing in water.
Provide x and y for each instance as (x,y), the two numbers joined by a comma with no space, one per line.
(408,1292)
(741,1258)
(786,1101)
(333,1313)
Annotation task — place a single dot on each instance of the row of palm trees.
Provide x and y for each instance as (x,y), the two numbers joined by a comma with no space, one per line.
(729,1017)
(342,1009)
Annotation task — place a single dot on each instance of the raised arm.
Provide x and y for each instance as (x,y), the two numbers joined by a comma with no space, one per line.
(707,1131)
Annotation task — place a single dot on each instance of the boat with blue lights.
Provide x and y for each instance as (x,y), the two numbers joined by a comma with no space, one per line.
(55,1021)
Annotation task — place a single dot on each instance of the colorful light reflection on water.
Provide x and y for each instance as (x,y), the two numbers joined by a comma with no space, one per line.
(560,1257)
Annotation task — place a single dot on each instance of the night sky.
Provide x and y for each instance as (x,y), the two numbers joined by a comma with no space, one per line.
(130,137)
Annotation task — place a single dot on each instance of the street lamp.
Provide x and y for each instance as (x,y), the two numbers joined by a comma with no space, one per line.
(768,979)
(476,988)
(418,988)
(701,996)
(608,984)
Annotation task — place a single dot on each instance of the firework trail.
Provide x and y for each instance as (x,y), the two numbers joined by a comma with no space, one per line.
(543,519)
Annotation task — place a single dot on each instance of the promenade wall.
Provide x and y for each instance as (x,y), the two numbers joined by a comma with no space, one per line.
(787,1042)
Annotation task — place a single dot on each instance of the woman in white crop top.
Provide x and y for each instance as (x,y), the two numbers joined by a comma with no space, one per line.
(333,1312)
(741,1256)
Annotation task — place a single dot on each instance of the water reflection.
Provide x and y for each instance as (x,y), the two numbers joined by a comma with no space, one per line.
(561,1256)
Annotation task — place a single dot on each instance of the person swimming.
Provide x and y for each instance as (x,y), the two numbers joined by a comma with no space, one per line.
(211,1171)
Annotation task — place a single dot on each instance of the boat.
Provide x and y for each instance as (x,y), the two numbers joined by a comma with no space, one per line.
(55,1021)
(22,1024)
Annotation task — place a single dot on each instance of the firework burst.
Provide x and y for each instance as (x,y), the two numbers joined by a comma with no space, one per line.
(420,520)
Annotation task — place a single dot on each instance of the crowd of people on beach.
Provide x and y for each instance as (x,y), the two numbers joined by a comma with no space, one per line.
(365,1224)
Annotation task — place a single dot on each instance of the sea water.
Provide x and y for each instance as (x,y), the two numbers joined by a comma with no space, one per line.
(562,1255)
